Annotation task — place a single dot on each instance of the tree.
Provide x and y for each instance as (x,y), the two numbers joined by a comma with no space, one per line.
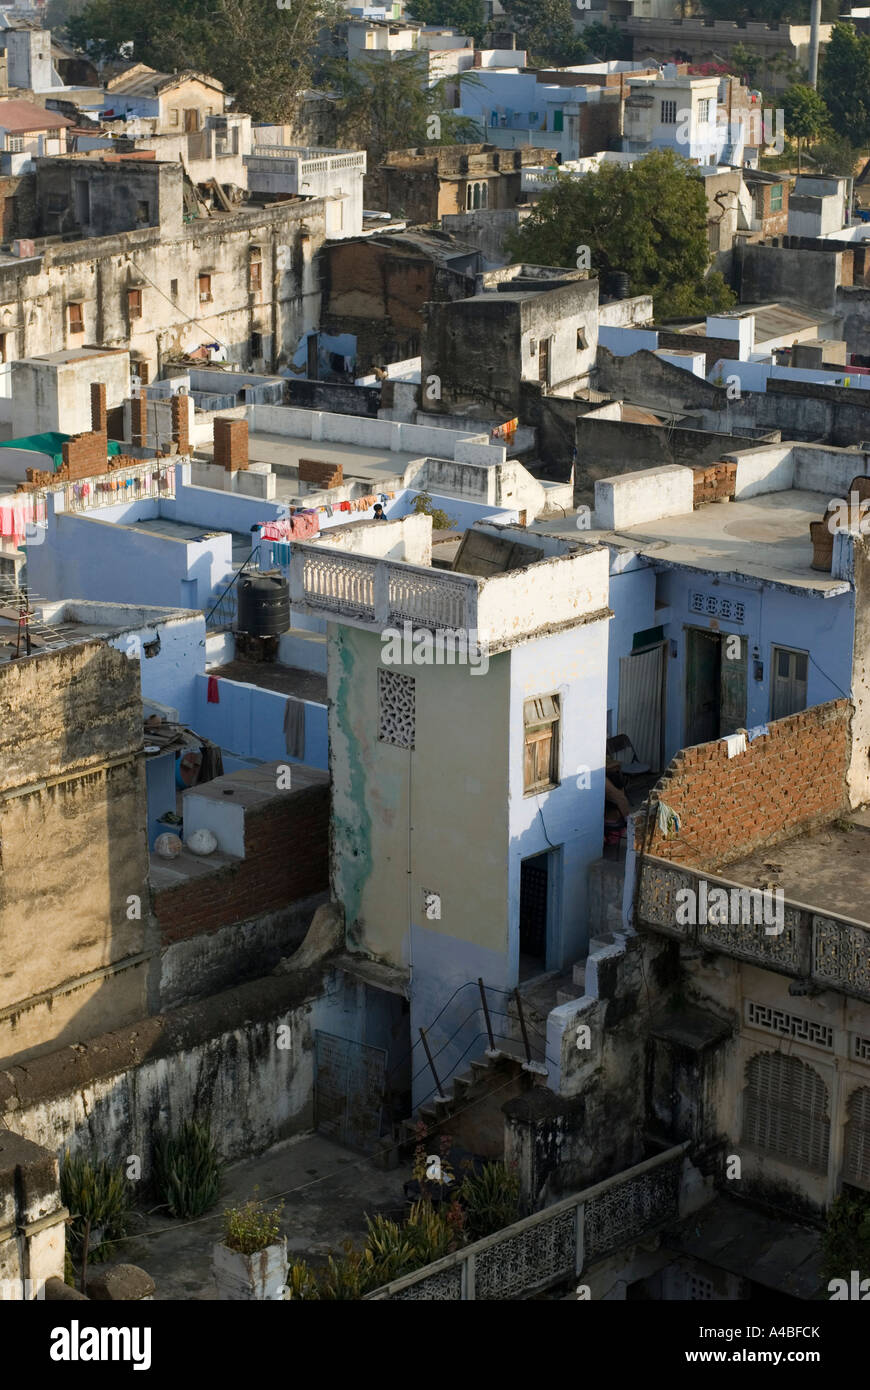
(545,29)
(746,63)
(806,115)
(835,157)
(264,52)
(468,16)
(649,221)
(606,41)
(384,104)
(845,83)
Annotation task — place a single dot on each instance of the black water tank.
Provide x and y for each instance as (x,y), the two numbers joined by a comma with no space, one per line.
(618,285)
(264,605)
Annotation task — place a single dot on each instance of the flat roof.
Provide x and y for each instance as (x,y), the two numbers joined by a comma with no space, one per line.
(825,869)
(359,464)
(765,537)
(771,320)
(269,675)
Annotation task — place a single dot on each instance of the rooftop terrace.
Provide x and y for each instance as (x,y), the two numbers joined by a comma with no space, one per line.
(764,537)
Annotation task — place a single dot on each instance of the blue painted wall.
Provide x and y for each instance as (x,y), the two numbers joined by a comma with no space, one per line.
(574,665)
(249,722)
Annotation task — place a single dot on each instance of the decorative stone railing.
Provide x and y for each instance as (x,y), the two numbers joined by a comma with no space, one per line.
(556,1244)
(831,951)
(379,593)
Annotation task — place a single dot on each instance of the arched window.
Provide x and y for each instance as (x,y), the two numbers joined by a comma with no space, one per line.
(484,194)
(785,1111)
(468,189)
(477,195)
(856,1165)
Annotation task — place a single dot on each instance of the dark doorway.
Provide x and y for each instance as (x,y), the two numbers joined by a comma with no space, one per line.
(544,361)
(534,899)
(715,685)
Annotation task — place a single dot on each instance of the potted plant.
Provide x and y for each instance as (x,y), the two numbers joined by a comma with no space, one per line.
(250,1263)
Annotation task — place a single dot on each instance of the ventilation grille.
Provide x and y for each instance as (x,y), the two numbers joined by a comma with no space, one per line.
(860,1050)
(396,709)
(785,1111)
(787,1025)
(715,607)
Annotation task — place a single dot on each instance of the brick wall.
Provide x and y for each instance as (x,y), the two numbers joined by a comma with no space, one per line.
(786,781)
(180,423)
(230,443)
(85,454)
(715,483)
(320,472)
(98,406)
(286,859)
(139,420)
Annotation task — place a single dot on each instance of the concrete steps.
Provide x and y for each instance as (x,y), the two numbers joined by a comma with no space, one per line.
(499,1072)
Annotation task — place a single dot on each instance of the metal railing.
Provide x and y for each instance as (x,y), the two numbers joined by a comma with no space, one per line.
(225,608)
(554,1245)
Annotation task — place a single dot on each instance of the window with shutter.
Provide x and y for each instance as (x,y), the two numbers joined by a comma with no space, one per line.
(856,1167)
(541,738)
(785,1111)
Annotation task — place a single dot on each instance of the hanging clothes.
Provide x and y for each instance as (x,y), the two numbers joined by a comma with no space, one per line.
(213,697)
(294,728)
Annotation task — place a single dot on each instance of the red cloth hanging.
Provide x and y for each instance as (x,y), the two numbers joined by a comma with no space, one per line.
(213,697)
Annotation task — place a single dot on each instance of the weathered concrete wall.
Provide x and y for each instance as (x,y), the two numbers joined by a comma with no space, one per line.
(223,1060)
(97,271)
(765,273)
(607,447)
(595,1124)
(139,193)
(461,721)
(377,289)
(334,397)
(819,1037)
(73,919)
(480,349)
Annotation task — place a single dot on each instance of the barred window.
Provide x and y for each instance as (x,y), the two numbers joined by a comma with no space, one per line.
(785,1111)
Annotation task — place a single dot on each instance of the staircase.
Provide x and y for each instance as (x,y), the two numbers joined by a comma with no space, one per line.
(471,1113)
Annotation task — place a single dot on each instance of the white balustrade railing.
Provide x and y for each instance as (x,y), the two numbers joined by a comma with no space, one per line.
(386,593)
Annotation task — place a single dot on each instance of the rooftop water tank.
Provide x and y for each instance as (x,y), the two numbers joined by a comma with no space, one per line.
(264,605)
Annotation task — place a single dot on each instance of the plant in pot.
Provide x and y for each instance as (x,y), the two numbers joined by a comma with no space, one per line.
(250,1263)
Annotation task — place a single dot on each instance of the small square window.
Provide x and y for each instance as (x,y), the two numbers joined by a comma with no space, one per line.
(143,212)
(173,289)
(173,116)
(76,318)
(134,304)
(581,340)
(204,289)
(669,113)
